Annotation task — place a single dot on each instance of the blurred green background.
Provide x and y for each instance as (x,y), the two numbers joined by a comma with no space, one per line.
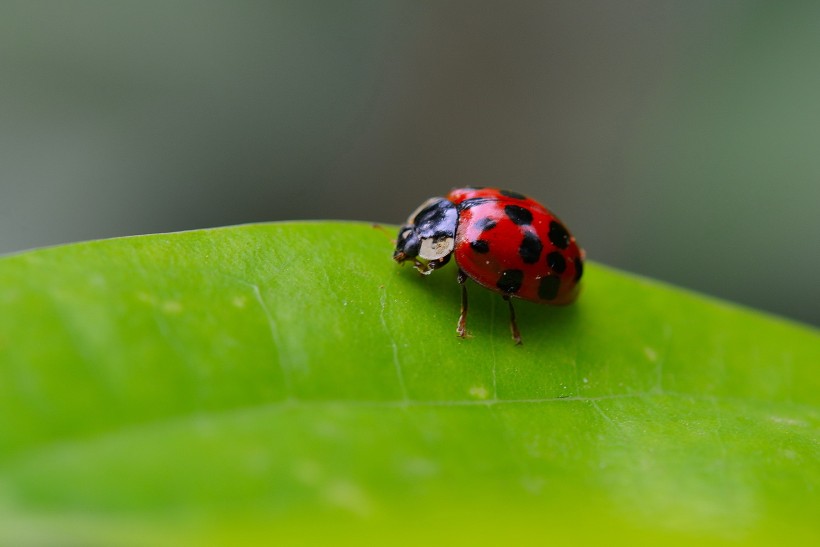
(676,139)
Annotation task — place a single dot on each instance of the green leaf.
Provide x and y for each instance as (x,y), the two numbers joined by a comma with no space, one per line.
(290,383)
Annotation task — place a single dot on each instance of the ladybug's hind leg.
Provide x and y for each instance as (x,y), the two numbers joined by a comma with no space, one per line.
(513,325)
(461,329)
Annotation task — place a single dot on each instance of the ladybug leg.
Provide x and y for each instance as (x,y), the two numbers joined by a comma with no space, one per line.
(513,326)
(427,268)
(461,330)
(422,268)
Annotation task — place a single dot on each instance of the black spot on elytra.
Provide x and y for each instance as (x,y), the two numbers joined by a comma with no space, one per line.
(472,202)
(519,215)
(579,268)
(480,246)
(485,224)
(530,248)
(548,288)
(558,235)
(556,262)
(511,194)
(510,281)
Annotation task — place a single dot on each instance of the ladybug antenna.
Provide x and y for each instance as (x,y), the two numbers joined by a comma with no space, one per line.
(385,231)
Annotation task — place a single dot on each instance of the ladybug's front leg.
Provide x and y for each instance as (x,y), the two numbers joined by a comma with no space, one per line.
(461,330)
(427,268)
(513,326)
(421,267)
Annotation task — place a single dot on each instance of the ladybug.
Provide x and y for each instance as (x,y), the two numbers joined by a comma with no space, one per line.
(502,240)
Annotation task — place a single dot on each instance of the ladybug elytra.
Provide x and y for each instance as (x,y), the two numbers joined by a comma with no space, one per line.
(502,240)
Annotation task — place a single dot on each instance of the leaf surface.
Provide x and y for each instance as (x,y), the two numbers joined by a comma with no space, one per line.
(290,382)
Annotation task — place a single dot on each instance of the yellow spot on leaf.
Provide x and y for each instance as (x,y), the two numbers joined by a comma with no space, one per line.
(171,306)
(348,495)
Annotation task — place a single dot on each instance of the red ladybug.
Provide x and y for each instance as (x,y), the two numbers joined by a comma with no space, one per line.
(505,241)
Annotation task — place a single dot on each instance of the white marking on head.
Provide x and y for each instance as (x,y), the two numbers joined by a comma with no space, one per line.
(434,248)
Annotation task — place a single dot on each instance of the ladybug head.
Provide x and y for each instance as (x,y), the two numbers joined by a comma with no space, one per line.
(429,234)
